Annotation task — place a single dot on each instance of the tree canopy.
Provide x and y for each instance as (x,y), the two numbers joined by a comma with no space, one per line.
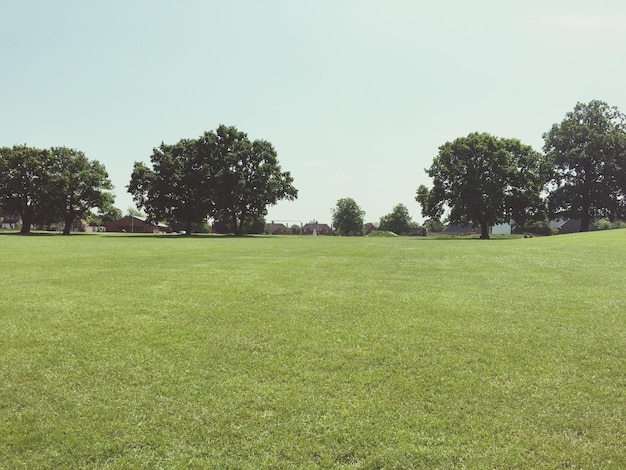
(50,185)
(484,180)
(397,221)
(222,175)
(587,152)
(79,184)
(176,188)
(24,187)
(245,177)
(348,217)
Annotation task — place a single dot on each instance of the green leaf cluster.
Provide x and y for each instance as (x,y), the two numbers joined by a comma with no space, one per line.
(587,152)
(348,217)
(484,180)
(51,185)
(397,221)
(222,175)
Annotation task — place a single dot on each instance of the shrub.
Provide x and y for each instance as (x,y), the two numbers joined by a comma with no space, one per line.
(538,228)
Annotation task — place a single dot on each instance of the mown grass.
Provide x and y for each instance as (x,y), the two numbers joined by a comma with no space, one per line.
(313,352)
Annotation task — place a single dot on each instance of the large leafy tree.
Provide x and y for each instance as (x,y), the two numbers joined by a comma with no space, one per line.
(221,174)
(25,184)
(588,153)
(176,186)
(245,177)
(79,184)
(397,221)
(51,185)
(348,217)
(484,180)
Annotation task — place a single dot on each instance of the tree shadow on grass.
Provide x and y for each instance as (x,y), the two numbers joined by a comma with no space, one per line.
(471,238)
(174,236)
(31,234)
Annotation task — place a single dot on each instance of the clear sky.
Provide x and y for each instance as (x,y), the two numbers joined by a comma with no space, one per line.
(355,95)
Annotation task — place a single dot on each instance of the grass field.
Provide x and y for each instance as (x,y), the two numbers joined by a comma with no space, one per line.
(312,352)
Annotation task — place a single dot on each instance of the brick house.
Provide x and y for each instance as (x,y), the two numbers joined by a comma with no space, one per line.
(317,229)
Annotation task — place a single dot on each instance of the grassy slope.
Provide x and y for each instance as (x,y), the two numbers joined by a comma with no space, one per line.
(122,351)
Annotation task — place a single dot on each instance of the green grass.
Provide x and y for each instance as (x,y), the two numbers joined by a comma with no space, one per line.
(312,352)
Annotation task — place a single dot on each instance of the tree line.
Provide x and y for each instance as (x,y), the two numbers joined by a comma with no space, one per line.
(479,179)
(51,185)
(222,174)
(483,180)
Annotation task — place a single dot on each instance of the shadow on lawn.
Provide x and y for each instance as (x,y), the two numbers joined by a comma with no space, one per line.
(31,234)
(171,236)
(471,238)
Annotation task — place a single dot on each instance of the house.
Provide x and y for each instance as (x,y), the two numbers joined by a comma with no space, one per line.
(501,229)
(570,226)
(135,224)
(369,228)
(275,229)
(315,228)
(458,229)
(10,222)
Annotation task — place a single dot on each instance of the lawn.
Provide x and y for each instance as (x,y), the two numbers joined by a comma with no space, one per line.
(126,351)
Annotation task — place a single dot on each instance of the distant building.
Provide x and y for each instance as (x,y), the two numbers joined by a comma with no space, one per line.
(10,221)
(570,226)
(501,229)
(275,229)
(369,228)
(135,224)
(315,228)
(458,229)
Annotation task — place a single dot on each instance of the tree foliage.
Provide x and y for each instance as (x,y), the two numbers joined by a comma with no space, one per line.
(397,221)
(222,174)
(79,184)
(587,151)
(245,177)
(484,180)
(58,184)
(348,217)
(176,188)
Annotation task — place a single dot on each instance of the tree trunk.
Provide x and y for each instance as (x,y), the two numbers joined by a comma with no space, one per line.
(584,222)
(68,225)
(484,231)
(239,224)
(27,221)
(188,231)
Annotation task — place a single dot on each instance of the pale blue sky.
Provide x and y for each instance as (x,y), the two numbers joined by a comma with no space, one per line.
(355,95)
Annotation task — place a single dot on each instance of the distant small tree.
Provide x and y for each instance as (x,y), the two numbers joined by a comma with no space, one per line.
(398,221)
(109,214)
(434,225)
(135,212)
(295,229)
(348,217)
